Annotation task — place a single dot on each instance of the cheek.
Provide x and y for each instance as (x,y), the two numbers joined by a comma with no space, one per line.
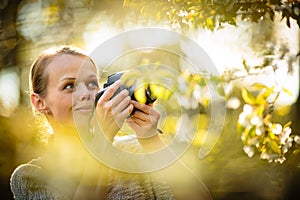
(94,94)
(61,108)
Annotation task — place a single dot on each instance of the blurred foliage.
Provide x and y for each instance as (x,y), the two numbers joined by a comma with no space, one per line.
(254,125)
(258,133)
(274,57)
(212,14)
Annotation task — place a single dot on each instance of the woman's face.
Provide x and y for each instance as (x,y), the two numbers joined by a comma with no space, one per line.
(71,88)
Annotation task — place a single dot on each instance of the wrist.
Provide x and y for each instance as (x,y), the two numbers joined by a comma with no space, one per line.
(151,143)
(147,139)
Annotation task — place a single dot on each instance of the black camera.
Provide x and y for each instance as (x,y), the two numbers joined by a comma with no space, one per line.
(131,89)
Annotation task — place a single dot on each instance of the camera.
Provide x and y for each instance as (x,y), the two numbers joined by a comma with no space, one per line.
(131,89)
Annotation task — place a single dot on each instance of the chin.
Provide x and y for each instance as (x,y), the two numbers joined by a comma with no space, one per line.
(81,120)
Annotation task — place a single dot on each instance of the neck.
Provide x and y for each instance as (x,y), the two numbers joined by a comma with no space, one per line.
(66,150)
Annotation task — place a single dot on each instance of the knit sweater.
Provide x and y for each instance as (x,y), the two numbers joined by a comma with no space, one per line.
(34,181)
(31,181)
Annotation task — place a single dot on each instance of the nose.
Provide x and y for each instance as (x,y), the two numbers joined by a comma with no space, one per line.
(85,96)
(84,93)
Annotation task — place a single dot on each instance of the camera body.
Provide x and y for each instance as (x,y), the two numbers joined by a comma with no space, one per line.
(131,89)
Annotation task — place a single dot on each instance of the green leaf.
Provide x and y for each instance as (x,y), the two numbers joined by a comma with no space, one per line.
(271,135)
(252,131)
(275,148)
(260,110)
(248,133)
(287,124)
(246,67)
(240,128)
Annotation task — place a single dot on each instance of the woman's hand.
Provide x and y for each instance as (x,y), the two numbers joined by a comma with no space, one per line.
(144,122)
(111,111)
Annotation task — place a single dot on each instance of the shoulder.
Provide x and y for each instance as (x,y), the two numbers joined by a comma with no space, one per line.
(26,178)
(34,180)
(25,170)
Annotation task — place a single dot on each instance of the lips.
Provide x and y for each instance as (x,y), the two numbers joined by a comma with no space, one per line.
(83,108)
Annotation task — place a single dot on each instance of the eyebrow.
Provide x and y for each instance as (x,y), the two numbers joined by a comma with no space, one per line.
(67,79)
(72,78)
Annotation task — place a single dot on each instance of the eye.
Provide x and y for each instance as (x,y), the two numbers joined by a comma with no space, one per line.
(93,85)
(69,86)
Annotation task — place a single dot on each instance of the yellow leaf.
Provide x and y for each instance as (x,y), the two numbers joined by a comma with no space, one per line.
(51,15)
(158,16)
(287,92)
(283,110)
(259,86)
(210,23)
(125,3)
(142,10)
(170,124)
(248,97)
(287,124)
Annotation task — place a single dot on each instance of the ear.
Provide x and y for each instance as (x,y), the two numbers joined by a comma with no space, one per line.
(38,103)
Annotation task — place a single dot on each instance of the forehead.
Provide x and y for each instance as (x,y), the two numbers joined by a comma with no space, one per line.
(70,65)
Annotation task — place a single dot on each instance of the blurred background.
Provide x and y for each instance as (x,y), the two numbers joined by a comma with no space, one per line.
(249,41)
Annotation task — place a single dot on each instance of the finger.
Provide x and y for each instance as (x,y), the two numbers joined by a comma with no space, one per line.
(149,116)
(137,121)
(125,112)
(141,115)
(108,94)
(120,106)
(132,124)
(143,107)
(120,97)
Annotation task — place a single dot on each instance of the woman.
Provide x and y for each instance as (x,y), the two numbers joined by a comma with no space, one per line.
(60,90)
